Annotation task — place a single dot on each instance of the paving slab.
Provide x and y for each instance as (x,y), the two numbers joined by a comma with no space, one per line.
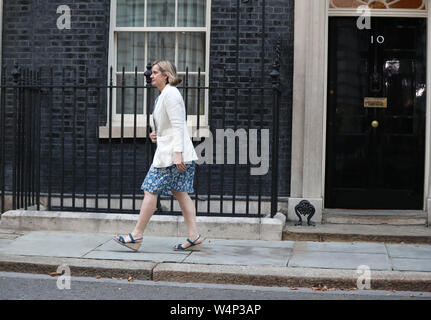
(54,244)
(403,264)
(409,251)
(126,254)
(288,263)
(339,260)
(351,247)
(149,244)
(240,255)
(5,243)
(251,243)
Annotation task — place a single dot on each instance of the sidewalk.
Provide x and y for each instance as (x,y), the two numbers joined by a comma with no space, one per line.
(253,262)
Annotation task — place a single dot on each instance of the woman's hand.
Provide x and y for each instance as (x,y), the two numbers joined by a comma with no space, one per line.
(179,161)
(153,137)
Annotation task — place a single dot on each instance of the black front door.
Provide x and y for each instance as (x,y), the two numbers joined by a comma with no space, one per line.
(376,114)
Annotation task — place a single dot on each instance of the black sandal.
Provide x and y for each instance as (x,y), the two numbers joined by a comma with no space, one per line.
(134,244)
(192,247)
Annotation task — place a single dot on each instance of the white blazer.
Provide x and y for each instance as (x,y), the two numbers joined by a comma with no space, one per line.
(170,124)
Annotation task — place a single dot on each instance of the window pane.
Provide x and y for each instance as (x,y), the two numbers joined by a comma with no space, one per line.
(161,13)
(130,13)
(191,13)
(161,46)
(129,94)
(191,95)
(191,47)
(131,51)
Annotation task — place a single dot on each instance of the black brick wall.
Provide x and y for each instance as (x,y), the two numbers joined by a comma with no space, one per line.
(279,24)
(31,39)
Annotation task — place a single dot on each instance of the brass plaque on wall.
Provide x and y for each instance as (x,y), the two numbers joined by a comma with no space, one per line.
(372,102)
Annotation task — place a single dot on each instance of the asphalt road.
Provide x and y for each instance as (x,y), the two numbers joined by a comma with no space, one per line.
(21,286)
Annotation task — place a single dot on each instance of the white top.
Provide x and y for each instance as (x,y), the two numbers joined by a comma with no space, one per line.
(172,135)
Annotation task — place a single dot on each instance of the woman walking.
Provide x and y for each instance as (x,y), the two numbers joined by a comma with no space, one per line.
(173,167)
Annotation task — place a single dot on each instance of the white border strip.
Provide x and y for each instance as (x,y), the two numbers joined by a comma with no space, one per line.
(325,103)
(428,116)
(408,13)
(1,38)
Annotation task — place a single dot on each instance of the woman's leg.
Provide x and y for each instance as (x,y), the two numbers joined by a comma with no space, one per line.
(189,212)
(148,207)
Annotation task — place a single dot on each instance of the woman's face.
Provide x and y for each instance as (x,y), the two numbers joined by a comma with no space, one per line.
(157,78)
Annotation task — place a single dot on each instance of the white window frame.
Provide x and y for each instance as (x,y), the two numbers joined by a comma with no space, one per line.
(142,118)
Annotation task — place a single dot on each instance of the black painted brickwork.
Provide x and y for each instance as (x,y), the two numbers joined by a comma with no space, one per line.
(31,39)
(279,22)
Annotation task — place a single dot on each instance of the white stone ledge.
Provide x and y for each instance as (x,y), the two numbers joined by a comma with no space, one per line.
(160,225)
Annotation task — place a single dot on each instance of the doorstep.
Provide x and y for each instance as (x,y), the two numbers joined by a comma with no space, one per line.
(375,217)
(358,232)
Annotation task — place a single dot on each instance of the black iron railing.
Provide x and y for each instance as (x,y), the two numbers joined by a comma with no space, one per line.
(72,142)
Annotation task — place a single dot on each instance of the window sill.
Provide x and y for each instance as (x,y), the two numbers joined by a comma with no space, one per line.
(141,132)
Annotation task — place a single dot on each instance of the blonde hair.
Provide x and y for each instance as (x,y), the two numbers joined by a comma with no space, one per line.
(169,69)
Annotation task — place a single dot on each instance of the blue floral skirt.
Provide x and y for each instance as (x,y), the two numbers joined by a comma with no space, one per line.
(163,180)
